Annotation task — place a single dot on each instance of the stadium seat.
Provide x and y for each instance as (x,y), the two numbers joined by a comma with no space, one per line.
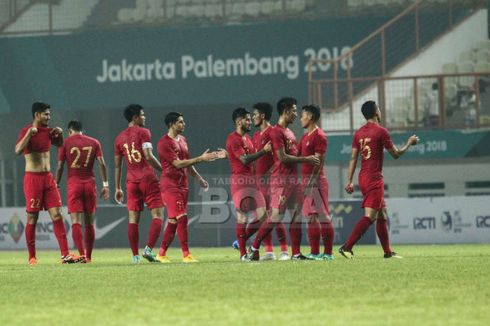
(155,9)
(212,11)
(196,11)
(483,55)
(252,9)
(450,68)
(266,7)
(466,81)
(482,66)
(483,45)
(125,15)
(450,92)
(397,115)
(296,5)
(466,56)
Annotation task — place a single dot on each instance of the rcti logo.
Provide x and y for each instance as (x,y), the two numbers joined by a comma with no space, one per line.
(424,223)
(483,222)
(447,221)
(16,228)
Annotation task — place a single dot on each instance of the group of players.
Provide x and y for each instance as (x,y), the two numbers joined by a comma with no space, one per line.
(264,181)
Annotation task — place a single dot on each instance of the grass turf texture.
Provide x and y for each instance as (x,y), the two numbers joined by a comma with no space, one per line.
(432,285)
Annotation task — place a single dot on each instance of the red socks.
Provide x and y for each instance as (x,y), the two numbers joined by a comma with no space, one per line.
(77,235)
(268,243)
(168,237)
(359,229)
(89,240)
(241,238)
(383,235)
(252,228)
(264,230)
(30,233)
(60,233)
(182,234)
(281,236)
(314,236)
(295,234)
(154,233)
(133,236)
(327,232)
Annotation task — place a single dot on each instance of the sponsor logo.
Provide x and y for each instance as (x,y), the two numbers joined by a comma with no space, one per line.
(447,221)
(424,223)
(395,224)
(15,228)
(451,221)
(483,221)
(100,232)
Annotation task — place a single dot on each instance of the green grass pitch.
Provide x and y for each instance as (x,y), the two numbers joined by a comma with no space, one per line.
(433,285)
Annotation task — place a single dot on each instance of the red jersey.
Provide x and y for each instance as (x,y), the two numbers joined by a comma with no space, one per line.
(237,146)
(283,138)
(311,144)
(265,162)
(169,150)
(129,144)
(40,142)
(370,140)
(80,151)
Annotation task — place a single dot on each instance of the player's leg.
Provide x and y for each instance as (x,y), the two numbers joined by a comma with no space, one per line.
(266,226)
(154,203)
(360,228)
(383,233)
(89,235)
(135,207)
(313,229)
(326,228)
(60,233)
(168,237)
(75,201)
(76,231)
(33,192)
(240,231)
(30,234)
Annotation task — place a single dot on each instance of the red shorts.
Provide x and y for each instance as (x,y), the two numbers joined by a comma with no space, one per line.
(247,198)
(265,190)
(147,192)
(286,196)
(175,201)
(316,203)
(82,197)
(40,191)
(373,196)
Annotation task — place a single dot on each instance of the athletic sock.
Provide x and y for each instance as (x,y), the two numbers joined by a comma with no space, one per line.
(383,235)
(327,232)
(134,237)
(268,243)
(241,238)
(89,240)
(252,227)
(314,236)
(359,229)
(154,233)
(264,230)
(77,235)
(31,239)
(295,235)
(168,237)
(60,233)
(182,234)
(281,236)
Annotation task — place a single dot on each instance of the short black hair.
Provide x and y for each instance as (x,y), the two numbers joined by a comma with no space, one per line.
(39,107)
(314,110)
(75,125)
(368,109)
(172,118)
(239,113)
(132,110)
(264,108)
(285,103)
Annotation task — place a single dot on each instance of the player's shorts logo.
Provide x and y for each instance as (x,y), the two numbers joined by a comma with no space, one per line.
(180,205)
(16,228)
(282,200)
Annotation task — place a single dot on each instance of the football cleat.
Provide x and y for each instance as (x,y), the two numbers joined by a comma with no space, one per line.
(71,259)
(189,259)
(32,261)
(314,257)
(253,254)
(328,257)
(136,259)
(235,245)
(149,255)
(163,259)
(83,259)
(244,258)
(284,255)
(346,253)
(299,256)
(268,256)
(393,255)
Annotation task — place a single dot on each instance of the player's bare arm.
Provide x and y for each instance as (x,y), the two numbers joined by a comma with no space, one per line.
(118,194)
(396,153)
(104,194)
(248,158)
(150,158)
(57,140)
(202,182)
(315,174)
(349,187)
(59,171)
(19,147)
(289,159)
(207,156)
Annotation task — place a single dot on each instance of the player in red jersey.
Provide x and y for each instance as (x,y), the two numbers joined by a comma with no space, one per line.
(369,142)
(176,164)
(40,190)
(81,152)
(285,193)
(262,113)
(134,144)
(315,185)
(245,193)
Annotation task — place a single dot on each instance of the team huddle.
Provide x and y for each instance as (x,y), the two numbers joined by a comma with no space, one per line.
(264,181)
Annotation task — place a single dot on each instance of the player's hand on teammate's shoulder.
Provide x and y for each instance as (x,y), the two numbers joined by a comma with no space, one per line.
(414,139)
(313,159)
(118,196)
(268,147)
(33,131)
(349,188)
